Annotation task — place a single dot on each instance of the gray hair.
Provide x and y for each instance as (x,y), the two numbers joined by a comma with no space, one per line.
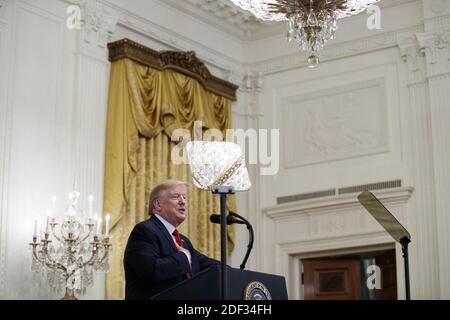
(160,188)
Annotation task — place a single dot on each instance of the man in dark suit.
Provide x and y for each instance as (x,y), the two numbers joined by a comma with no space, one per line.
(157,256)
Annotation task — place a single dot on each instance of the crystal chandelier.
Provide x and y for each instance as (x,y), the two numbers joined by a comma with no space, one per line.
(68,255)
(311,23)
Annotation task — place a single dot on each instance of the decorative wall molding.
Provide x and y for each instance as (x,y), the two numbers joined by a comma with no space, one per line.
(98,25)
(333,52)
(435,46)
(336,123)
(428,48)
(183,62)
(237,77)
(414,57)
(330,204)
(437,22)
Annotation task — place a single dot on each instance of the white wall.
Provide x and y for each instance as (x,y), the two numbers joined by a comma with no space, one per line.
(53,101)
(364,116)
(36,132)
(53,91)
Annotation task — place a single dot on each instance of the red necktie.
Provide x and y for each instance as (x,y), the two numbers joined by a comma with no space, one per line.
(178,240)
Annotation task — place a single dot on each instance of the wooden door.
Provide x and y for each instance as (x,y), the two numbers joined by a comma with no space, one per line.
(332,279)
(386,262)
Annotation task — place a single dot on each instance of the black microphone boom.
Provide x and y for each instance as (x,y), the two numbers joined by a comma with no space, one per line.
(251,237)
(215,218)
(232,218)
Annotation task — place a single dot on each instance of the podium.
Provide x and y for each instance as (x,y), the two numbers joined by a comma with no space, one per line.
(241,283)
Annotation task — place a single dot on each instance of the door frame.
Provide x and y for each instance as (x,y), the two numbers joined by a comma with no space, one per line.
(296,266)
(327,226)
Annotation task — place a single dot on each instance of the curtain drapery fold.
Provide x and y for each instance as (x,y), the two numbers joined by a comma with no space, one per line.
(146,106)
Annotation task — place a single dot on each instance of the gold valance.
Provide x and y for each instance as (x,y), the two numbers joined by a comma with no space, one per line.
(184,62)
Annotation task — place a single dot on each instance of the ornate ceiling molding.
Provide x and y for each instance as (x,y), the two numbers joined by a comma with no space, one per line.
(184,62)
(226,16)
(222,14)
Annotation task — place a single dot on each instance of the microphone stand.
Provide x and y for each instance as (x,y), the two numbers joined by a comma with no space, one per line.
(404,242)
(251,237)
(223,191)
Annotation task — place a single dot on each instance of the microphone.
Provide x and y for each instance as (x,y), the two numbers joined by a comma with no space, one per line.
(215,218)
(232,218)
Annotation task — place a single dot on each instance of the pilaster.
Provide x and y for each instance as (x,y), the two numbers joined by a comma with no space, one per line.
(422,213)
(91,94)
(434,44)
(246,116)
(90,111)
(4,140)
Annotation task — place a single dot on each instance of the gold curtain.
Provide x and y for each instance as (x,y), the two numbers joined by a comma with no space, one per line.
(145,106)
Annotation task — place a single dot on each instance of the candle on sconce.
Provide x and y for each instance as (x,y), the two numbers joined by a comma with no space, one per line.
(39,226)
(91,206)
(95,222)
(99,227)
(36,226)
(107,218)
(53,204)
(49,217)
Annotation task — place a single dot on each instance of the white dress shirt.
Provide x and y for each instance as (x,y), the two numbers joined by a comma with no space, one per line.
(170,228)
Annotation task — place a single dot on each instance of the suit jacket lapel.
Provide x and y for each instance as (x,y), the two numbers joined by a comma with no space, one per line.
(164,231)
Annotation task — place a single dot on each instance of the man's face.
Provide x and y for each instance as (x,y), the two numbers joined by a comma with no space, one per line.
(172,205)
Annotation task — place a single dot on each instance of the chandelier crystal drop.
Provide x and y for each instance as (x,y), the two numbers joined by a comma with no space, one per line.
(311,23)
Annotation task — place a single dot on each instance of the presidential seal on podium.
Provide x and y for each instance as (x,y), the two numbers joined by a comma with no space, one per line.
(256,291)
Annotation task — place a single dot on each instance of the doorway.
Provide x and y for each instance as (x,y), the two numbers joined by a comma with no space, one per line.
(362,276)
